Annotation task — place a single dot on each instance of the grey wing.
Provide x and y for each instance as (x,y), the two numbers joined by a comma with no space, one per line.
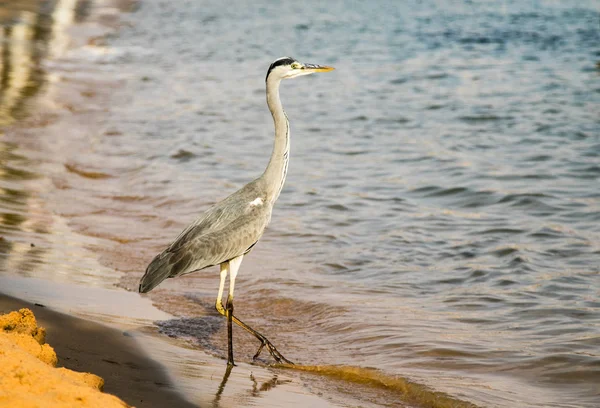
(221,215)
(227,230)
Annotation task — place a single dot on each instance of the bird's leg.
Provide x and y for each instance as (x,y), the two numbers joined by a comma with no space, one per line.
(225,266)
(264,342)
(229,309)
(233,265)
(227,312)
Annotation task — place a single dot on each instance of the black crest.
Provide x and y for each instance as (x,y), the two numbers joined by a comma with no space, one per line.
(280,61)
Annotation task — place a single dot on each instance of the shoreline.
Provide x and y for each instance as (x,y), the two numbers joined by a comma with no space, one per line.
(147,368)
(111,333)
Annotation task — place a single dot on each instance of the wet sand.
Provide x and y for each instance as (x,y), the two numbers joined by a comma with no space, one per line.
(147,369)
(85,346)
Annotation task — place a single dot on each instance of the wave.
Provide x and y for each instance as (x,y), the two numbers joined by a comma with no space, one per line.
(408,391)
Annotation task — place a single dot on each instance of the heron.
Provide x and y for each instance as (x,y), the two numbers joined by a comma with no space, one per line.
(229,230)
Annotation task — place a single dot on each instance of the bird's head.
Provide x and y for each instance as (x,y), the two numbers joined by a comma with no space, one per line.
(286,67)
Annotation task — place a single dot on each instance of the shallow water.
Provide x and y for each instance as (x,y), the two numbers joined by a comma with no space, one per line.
(440,220)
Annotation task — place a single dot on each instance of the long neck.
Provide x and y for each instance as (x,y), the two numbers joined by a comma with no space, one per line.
(275,173)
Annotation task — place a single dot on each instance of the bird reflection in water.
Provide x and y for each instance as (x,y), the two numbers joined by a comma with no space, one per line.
(267,385)
(256,389)
(217,399)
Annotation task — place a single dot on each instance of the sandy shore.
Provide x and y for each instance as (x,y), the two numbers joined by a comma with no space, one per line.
(180,371)
(28,373)
(81,346)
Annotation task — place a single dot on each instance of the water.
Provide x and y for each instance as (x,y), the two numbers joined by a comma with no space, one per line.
(440,220)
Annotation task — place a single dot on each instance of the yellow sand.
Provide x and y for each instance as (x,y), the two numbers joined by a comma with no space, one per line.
(28,374)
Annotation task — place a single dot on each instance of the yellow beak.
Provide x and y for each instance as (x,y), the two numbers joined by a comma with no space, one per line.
(317,68)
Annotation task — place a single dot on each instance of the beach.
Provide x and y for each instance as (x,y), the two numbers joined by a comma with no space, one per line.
(29,376)
(124,358)
(120,349)
(85,347)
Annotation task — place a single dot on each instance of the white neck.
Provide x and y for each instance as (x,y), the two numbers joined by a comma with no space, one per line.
(276,170)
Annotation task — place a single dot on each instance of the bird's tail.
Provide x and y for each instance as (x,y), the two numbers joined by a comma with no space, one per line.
(158,270)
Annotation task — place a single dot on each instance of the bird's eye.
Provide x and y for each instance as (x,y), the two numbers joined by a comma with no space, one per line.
(295,65)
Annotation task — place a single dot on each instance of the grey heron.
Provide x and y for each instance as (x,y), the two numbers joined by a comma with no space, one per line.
(228,231)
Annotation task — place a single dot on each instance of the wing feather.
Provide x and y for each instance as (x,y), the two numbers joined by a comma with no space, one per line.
(225,231)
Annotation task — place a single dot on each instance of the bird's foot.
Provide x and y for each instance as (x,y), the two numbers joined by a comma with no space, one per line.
(272,350)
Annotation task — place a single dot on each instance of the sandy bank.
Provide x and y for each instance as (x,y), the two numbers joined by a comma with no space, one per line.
(28,373)
(29,378)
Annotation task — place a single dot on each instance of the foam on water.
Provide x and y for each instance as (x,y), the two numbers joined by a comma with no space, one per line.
(404,389)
